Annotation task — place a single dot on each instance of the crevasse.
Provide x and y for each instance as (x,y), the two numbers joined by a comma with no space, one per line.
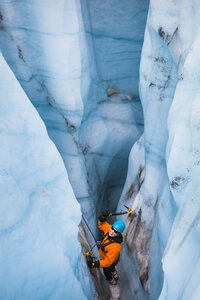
(78,63)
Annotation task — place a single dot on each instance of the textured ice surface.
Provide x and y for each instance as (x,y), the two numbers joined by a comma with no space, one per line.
(80,69)
(78,62)
(167,223)
(113,118)
(40,256)
(88,119)
(181,261)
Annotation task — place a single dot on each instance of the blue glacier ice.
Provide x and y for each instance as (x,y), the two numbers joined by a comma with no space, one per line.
(161,185)
(39,250)
(67,57)
(100,110)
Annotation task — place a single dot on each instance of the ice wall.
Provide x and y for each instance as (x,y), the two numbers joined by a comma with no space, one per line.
(40,41)
(165,196)
(40,256)
(181,261)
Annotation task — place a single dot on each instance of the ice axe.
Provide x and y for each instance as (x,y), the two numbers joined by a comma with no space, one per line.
(89,255)
(128,211)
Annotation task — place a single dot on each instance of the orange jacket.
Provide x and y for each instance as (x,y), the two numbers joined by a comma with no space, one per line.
(112,251)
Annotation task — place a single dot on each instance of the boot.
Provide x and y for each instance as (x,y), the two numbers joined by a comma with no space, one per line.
(115,275)
(113,281)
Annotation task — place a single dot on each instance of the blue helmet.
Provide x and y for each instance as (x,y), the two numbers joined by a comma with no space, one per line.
(119,226)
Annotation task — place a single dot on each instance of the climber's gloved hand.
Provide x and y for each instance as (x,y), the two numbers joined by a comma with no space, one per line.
(98,244)
(94,264)
(104,215)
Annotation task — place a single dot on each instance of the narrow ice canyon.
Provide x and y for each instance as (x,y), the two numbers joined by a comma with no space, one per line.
(99,109)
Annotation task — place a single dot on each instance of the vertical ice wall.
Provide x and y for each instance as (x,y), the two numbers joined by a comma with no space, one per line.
(40,256)
(181,261)
(40,41)
(165,196)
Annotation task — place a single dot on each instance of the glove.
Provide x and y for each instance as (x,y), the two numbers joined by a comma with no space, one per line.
(104,215)
(99,244)
(94,264)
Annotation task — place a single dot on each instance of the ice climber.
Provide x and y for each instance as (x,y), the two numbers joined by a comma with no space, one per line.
(109,247)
